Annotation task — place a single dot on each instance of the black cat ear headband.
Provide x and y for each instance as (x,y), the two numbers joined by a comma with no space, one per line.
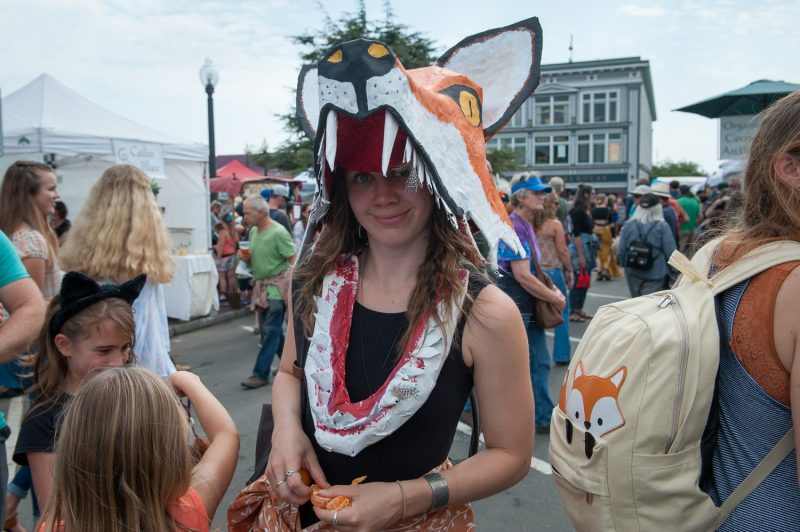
(79,292)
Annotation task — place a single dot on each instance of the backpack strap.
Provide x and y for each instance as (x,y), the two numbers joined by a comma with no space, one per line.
(757,475)
(754,262)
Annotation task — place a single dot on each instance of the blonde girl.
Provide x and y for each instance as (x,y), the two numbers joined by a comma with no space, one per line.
(124,461)
(119,234)
(88,326)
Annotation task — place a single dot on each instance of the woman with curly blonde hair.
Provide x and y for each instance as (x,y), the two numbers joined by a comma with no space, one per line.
(119,234)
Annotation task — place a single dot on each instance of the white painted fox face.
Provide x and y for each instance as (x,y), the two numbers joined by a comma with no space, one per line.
(447,110)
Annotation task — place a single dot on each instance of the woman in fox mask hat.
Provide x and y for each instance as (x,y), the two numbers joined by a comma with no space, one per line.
(390,325)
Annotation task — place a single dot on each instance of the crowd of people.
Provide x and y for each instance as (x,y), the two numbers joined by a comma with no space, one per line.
(386,313)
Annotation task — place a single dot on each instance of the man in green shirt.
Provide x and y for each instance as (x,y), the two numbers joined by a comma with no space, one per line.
(271,253)
(687,232)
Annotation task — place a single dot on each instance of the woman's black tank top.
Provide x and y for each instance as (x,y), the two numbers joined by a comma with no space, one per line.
(421,443)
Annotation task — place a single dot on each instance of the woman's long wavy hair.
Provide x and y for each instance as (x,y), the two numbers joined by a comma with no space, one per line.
(583,199)
(448,250)
(50,366)
(771,210)
(122,456)
(120,231)
(20,185)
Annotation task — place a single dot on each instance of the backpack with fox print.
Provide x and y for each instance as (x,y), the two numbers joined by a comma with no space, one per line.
(625,437)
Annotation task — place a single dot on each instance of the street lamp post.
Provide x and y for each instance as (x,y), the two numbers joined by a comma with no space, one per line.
(209,78)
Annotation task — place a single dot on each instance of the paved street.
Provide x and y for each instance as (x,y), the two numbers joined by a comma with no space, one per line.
(224,354)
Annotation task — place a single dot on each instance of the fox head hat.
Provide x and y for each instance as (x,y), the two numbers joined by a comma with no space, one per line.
(366,112)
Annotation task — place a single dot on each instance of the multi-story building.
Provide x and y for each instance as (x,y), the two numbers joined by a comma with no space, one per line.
(589,122)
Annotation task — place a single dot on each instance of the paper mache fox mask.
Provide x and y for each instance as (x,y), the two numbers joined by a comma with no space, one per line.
(437,117)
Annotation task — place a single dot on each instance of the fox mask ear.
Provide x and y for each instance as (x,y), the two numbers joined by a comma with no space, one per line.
(505,63)
(308,99)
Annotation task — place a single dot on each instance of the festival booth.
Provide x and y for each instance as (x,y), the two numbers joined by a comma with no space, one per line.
(232,177)
(48,122)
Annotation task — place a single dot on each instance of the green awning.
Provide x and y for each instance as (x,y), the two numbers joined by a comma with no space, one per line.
(748,100)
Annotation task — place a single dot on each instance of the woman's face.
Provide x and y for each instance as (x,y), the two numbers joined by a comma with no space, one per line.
(47,195)
(534,201)
(389,213)
(105,346)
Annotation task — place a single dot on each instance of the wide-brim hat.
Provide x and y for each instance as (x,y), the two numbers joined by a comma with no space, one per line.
(661,190)
(641,190)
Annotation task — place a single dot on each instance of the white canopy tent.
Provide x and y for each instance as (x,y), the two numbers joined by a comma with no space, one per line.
(48,122)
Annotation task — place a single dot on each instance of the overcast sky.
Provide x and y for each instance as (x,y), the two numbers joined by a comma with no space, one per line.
(140,58)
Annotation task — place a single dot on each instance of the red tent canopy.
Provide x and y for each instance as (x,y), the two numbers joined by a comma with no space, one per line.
(232,177)
(237,169)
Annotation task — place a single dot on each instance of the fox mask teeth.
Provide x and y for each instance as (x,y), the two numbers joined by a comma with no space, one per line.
(328,147)
(446,111)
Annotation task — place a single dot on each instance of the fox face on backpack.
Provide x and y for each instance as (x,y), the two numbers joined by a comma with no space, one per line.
(625,437)
(640,255)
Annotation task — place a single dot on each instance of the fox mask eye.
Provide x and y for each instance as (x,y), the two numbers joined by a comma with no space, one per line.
(467,100)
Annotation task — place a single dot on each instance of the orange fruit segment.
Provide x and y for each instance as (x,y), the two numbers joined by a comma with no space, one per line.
(332,503)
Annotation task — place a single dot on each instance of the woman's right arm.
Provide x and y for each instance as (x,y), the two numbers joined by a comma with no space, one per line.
(521,269)
(291,448)
(36,269)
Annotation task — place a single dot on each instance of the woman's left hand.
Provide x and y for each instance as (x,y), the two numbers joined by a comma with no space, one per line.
(570,278)
(376,505)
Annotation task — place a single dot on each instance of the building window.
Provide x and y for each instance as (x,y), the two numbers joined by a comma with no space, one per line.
(552,110)
(551,149)
(600,107)
(518,118)
(518,144)
(600,148)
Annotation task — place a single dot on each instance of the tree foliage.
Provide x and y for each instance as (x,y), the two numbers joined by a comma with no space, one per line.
(677,169)
(505,160)
(413,48)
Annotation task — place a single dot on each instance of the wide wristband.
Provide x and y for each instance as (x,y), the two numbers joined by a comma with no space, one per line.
(441,494)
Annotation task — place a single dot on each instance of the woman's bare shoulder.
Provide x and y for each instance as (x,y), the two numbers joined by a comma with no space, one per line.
(493,321)
(493,313)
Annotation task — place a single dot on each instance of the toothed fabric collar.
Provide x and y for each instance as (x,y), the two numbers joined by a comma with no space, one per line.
(345,427)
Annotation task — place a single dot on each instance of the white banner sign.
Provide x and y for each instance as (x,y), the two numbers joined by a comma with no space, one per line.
(735,134)
(145,155)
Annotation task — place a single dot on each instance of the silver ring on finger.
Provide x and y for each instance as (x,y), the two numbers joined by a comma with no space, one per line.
(335,520)
(281,482)
(290,472)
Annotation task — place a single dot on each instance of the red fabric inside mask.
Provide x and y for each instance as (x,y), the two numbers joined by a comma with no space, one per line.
(359,146)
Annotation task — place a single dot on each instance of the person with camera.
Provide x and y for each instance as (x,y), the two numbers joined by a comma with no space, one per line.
(646,242)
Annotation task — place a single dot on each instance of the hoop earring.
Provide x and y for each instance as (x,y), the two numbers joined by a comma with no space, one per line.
(360,232)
